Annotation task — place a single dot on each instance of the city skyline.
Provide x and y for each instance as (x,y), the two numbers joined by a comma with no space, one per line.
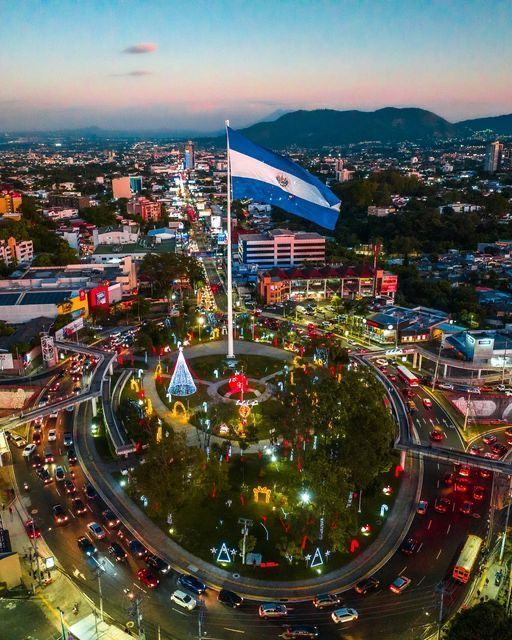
(151,66)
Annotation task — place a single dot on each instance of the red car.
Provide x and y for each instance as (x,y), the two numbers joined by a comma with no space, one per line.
(449,479)
(437,435)
(442,505)
(464,471)
(427,403)
(478,492)
(467,508)
(147,578)
(490,438)
(32,529)
(462,485)
(484,473)
(476,450)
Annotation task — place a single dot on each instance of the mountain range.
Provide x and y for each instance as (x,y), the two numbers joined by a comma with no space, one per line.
(328,127)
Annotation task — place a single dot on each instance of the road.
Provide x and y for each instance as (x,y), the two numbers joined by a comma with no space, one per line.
(409,615)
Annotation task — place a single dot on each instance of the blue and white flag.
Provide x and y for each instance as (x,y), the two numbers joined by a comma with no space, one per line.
(267,177)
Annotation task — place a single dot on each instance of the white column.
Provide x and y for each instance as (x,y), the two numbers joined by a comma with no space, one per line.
(231,353)
(94,407)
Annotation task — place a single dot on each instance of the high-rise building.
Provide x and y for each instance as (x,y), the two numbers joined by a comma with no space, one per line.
(493,156)
(189,155)
(281,248)
(126,187)
(145,208)
(10,202)
(13,252)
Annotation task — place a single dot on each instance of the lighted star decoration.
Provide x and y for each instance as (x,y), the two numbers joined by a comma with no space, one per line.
(307,558)
(233,552)
(328,553)
(213,550)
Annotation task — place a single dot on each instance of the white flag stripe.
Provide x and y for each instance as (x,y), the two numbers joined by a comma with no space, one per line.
(243,166)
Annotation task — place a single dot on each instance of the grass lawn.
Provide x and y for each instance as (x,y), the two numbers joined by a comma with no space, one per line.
(253,366)
(194,400)
(201,527)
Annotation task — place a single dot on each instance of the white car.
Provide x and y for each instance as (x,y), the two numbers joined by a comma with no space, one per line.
(381,362)
(344,615)
(184,600)
(29,450)
(96,530)
(52,435)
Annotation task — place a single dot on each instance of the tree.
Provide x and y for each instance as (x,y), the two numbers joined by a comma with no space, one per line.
(487,620)
(169,272)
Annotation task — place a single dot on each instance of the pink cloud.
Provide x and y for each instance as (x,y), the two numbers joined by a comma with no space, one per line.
(142,47)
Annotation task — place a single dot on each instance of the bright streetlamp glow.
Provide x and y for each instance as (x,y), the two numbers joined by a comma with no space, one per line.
(305,497)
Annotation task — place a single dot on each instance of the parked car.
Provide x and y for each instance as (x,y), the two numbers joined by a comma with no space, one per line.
(32,529)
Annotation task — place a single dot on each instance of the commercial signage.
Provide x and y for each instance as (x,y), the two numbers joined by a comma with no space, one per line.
(69,329)
(6,361)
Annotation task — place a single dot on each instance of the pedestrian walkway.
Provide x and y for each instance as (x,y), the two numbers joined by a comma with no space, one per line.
(487,586)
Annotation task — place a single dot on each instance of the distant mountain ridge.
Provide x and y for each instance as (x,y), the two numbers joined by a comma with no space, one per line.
(329,127)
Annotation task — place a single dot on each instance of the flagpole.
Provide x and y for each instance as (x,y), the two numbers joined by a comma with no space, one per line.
(231,353)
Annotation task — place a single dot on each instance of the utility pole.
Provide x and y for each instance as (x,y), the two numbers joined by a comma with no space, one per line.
(200,619)
(504,539)
(440,619)
(437,364)
(101,595)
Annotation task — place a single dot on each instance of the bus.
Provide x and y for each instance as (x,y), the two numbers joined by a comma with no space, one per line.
(407,376)
(467,559)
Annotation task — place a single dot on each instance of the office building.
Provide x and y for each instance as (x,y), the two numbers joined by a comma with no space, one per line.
(69,201)
(493,157)
(126,187)
(13,252)
(281,248)
(10,202)
(145,208)
(189,155)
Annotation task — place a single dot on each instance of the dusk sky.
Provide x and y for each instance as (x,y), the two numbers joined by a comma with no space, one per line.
(191,64)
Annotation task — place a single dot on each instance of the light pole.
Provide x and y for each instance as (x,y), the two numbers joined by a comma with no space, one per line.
(200,323)
(62,627)
(252,328)
(504,539)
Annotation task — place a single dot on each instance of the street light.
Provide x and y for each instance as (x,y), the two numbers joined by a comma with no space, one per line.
(200,323)
(305,497)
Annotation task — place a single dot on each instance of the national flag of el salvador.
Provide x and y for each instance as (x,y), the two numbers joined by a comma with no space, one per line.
(267,177)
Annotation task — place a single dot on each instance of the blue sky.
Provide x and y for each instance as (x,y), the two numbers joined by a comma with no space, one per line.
(64,62)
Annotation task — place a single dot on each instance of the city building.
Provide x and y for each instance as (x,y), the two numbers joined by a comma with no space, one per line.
(13,252)
(190,160)
(145,208)
(380,212)
(323,283)
(126,187)
(493,154)
(400,325)
(460,207)
(113,253)
(281,248)
(20,305)
(68,201)
(116,235)
(10,202)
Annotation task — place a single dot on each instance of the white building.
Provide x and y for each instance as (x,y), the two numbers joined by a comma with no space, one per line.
(281,248)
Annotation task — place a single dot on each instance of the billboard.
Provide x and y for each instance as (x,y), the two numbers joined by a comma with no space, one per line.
(6,361)
(69,329)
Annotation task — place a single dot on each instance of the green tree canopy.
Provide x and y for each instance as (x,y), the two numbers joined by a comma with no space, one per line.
(484,621)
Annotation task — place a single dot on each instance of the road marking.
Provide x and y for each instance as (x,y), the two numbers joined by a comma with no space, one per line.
(234,630)
(429,523)
(438,483)
(72,514)
(403,571)
(438,554)
(178,611)
(453,507)
(448,530)
(57,490)
(419,548)
(421,580)
(438,467)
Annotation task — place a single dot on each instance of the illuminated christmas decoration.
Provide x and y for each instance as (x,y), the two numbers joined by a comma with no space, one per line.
(354,545)
(238,383)
(317,559)
(181,384)
(180,412)
(366,529)
(387,490)
(223,555)
(158,372)
(148,408)
(383,510)
(265,491)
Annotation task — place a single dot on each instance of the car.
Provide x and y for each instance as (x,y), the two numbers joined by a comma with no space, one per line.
(33,531)
(96,530)
(28,451)
(158,564)
(117,551)
(44,474)
(467,508)
(90,492)
(36,438)
(409,546)
(422,507)
(484,473)
(147,578)
(442,505)
(408,393)
(137,548)
(59,514)
(86,546)
(365,586)
(427,403)
(449,478)
(344,615)
(490,438)
(49,456)
(68,439)
(52,435)
(272,610)
(498,577)
(230,598)
(508,432)
(111,519)
(399,584)
(184,600)
(499,449)
(192,583)
(476,450)
(464,471)
(447,386)
(16,439)
(72,459)
(60,476)
(437,434)
(78,506)
(69,485)
(478,492)
(381,362)
(37,461)
(326,600)
(301,631)
(462,485)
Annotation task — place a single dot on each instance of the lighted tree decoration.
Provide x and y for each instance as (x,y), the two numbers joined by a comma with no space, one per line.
(181,384)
